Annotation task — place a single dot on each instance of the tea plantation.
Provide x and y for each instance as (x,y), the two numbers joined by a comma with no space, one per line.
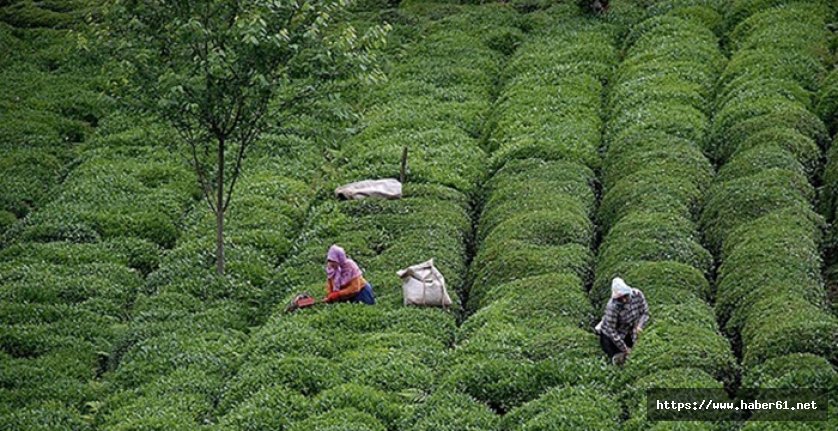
(687,146)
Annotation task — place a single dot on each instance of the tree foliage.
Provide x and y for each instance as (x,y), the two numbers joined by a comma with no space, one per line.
(214,68)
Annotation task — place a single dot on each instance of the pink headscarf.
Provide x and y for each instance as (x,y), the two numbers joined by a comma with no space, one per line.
(347,268)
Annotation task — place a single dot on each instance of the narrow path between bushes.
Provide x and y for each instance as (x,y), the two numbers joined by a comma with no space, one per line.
(827,108)
(478,198)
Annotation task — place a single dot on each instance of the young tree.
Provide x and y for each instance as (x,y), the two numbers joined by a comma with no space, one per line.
(211,67)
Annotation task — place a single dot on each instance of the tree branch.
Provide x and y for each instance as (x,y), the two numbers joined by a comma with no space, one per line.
(246,140)
(201,176)
(288,103)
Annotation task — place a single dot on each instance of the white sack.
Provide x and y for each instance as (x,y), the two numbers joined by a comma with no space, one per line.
(423,284)
(387,189)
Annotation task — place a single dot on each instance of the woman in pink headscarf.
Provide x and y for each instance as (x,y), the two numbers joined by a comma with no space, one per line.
(344,280)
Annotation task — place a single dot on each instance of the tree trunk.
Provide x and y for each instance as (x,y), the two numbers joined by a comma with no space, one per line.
(219,213)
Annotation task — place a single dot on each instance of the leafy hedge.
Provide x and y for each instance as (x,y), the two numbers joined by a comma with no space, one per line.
(272,408)
(761,220)
(550,106)
(828,198)
(61,310)
(49,93)
(82,293)
(504,384)
(449,111)
(528,333)
(44,416)
(170,401)
(688,378)
(656,182)
(343,419)
(510,301)
(182,298)
(28,13)
(382,405)
(591,408)
(798,370)
(794,370)
(762,192)
(449,411)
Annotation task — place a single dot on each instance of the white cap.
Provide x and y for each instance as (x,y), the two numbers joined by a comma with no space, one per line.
(619,288)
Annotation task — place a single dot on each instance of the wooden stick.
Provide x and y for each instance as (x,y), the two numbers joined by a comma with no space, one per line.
(403,175)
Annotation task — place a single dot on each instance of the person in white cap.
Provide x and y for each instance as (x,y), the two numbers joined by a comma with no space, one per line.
(626,314)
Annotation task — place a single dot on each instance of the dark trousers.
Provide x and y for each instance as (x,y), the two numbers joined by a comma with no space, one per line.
(365,295)
(608,344)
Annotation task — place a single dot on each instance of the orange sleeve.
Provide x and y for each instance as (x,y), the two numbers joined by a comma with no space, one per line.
(348,290)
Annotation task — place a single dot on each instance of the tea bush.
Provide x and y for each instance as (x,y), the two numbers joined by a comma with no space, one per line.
(44,416)
(344,419)
(689,378)
(382,405)
(755,160)
(307,375)
(753,245)
(517,259)
(650,190)
(271,408)
(506,383)
(827,197)
(59,375)
(446,410)
(518,341)
(807,328)
(28,13)
(174,401)
(391,370)
(435,156)
(513,301)
(141,196)
(652,236)
(797,370)
(565,122)
(761,220)
(656,152)
(684,344)
(527,280)
(761,193)
(665,282)
(50,98)
(656,182)
(571,408)
(214,352)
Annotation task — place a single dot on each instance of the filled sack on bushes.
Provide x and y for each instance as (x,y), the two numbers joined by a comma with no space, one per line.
(423,284)
(387,189)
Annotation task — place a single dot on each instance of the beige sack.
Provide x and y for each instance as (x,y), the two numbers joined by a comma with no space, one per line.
(423,284)
(387,189)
